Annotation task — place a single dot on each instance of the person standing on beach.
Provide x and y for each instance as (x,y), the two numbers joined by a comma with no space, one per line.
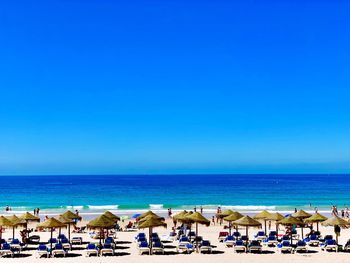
(213,220)
(201,209)
(195,209)
(337,230)
(346,212)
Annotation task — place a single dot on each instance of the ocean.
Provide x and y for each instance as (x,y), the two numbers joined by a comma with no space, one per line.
(128,194)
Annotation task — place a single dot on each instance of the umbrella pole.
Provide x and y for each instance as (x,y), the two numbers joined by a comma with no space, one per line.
(51,242)
(13,232)
(302,232)
(229,227)
(150,241)
(276,229)
(197,237)
(101,233)
(0,232)
(69,232)
(265,226)
(246,244)
(59,231)
(291,236)
(317,226)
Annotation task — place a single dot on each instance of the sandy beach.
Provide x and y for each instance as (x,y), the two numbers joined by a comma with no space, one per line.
(126,249)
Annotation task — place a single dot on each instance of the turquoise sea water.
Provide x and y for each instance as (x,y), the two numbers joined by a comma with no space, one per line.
(253,192)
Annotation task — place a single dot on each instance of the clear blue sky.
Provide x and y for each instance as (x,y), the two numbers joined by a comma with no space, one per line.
(174,86)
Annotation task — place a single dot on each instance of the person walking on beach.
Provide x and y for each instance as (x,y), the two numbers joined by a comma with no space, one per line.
(337,230)
(213,220)
(346,212)
(201,209)
(195,209)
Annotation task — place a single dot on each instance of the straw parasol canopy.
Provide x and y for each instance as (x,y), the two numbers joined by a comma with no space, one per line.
(102,222)
(315,218)
(68,218)
(185,218)
(225,213)
(335,221)
(15,221)
(151,223)
(4,222)
(70,215)
(151,216)
(198,218)
(29,217)
(232,217)
(301,214)
(179,215)
(247,221)
(145,214)
(112,216)
(275,217)
(51,223)
(263,215)
(290,221)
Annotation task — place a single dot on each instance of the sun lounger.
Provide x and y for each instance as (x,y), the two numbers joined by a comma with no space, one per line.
(229,241)
(16,245)
(65,243)
(331,245)
(53,241)
(42,251)
(347,246)
(107,249)
(271,241)
(205,246)
(312,241)
(76,241)
(222,236)
(285,247)
(110,240)
(237,235)
(260,236)
(6,250)
(91,250)
(239,246)
(301,246)
(58,250)
(139,236)
(254,246)
(157,247)
(143,247)
(185,247)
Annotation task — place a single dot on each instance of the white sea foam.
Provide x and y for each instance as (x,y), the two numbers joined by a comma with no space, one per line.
(156,206)
(74,207)
(103,207)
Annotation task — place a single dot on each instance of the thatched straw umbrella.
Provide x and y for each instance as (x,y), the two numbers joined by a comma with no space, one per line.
(145,214)
(198,218)
(275,217)
(225,213)
(51,223)
(4,222)
(67,222)
(28,217)
(263,215)
(112,216)
(247,221)
(102,222)
(151,223)
(151,216)
(15,221)
(179,215)
(232,217)
(70,218)
(290,221)
(335,221)
(315,218)
(301,214)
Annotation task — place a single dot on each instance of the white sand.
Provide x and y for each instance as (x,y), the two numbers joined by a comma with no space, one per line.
(127,252)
